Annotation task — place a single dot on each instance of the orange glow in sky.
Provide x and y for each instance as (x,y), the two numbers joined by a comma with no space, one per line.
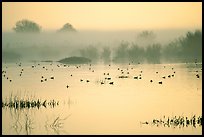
(104,15)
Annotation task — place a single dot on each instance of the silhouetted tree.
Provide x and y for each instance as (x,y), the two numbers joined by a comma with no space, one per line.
(153,53)
(90,52)
(121,53)
(187,48)
(27,26)
(136,53)
(146,38)
(67,28)
(192,45)
(10,56)
(105,55)
(172,51)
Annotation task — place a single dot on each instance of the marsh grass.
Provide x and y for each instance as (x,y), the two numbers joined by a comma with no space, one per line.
(176,121)
(21,102)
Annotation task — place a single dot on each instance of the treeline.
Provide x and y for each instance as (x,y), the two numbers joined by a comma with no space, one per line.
(186,48)
(183,49)
(134,53)
(28,26)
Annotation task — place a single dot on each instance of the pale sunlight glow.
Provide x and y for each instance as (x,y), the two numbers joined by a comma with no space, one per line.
(105,15)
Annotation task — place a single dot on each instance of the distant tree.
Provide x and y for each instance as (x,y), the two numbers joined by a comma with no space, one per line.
(67,28)
(136,53)
(105,55)
(172,51)
(90,52)
(153,53)
(147,34)
(146,38)
(27,26)
(187,48)
(192,45)
(121,52)
(10,56)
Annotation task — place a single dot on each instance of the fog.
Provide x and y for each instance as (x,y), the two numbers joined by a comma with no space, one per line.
(154,46)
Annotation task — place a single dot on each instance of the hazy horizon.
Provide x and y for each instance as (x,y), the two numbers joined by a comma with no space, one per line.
(129,26)
(102,16)
(101,68)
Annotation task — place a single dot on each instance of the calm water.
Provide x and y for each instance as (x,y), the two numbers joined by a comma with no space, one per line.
(95,108)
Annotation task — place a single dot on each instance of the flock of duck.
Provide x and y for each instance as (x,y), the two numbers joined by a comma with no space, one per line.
(4,72)
(124,73)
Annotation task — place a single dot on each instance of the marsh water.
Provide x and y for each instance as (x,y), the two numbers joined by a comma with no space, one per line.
(96,106)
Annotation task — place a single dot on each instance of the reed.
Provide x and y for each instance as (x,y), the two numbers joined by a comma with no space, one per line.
(176,121)
(17,102)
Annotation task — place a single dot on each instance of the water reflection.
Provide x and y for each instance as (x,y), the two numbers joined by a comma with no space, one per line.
(69,102)
(28,124)
(56,125)
(114,100)
(16,125)
(22,121)
(23,109)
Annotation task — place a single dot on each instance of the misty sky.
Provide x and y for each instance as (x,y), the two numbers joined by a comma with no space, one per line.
(105,15)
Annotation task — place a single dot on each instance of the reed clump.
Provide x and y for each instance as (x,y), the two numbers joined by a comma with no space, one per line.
(17,102)
(177,121)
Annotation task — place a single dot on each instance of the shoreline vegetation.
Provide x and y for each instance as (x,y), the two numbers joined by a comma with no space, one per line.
(75,60)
